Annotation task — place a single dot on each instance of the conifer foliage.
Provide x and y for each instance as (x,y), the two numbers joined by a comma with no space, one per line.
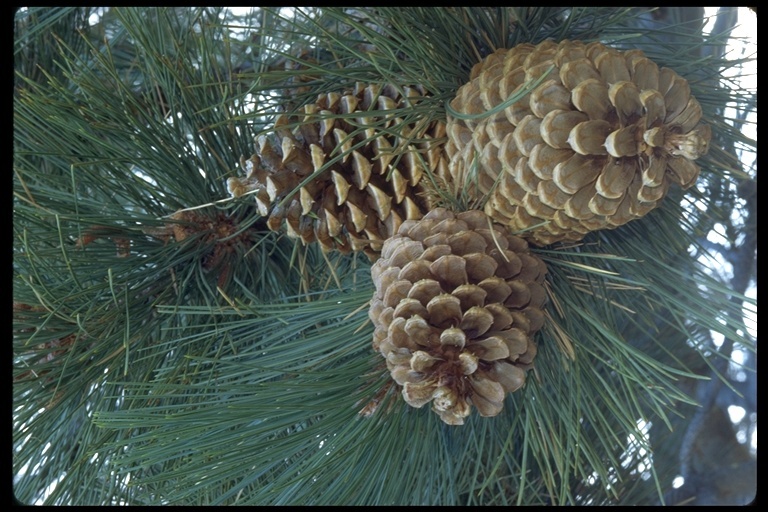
(373,256)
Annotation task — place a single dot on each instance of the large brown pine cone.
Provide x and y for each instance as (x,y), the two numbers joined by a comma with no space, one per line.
(594,146)
(344,181)
(457,302)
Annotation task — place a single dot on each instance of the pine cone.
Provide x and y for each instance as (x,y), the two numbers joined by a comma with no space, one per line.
(593,146)
(456,304)
(366,182)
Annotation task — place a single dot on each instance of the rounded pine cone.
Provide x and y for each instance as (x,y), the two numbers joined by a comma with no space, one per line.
(596,144)
(343,181)
(457,302)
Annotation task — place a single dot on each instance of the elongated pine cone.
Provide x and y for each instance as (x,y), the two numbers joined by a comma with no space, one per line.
(361,190)
(596,144)
(457,302)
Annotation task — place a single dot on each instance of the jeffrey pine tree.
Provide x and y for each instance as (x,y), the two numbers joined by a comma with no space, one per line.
(381,256)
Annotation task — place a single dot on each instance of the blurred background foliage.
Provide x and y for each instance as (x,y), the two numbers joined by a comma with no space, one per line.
(169,349)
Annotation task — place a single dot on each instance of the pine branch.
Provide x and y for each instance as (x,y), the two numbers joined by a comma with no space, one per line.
(176,352)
